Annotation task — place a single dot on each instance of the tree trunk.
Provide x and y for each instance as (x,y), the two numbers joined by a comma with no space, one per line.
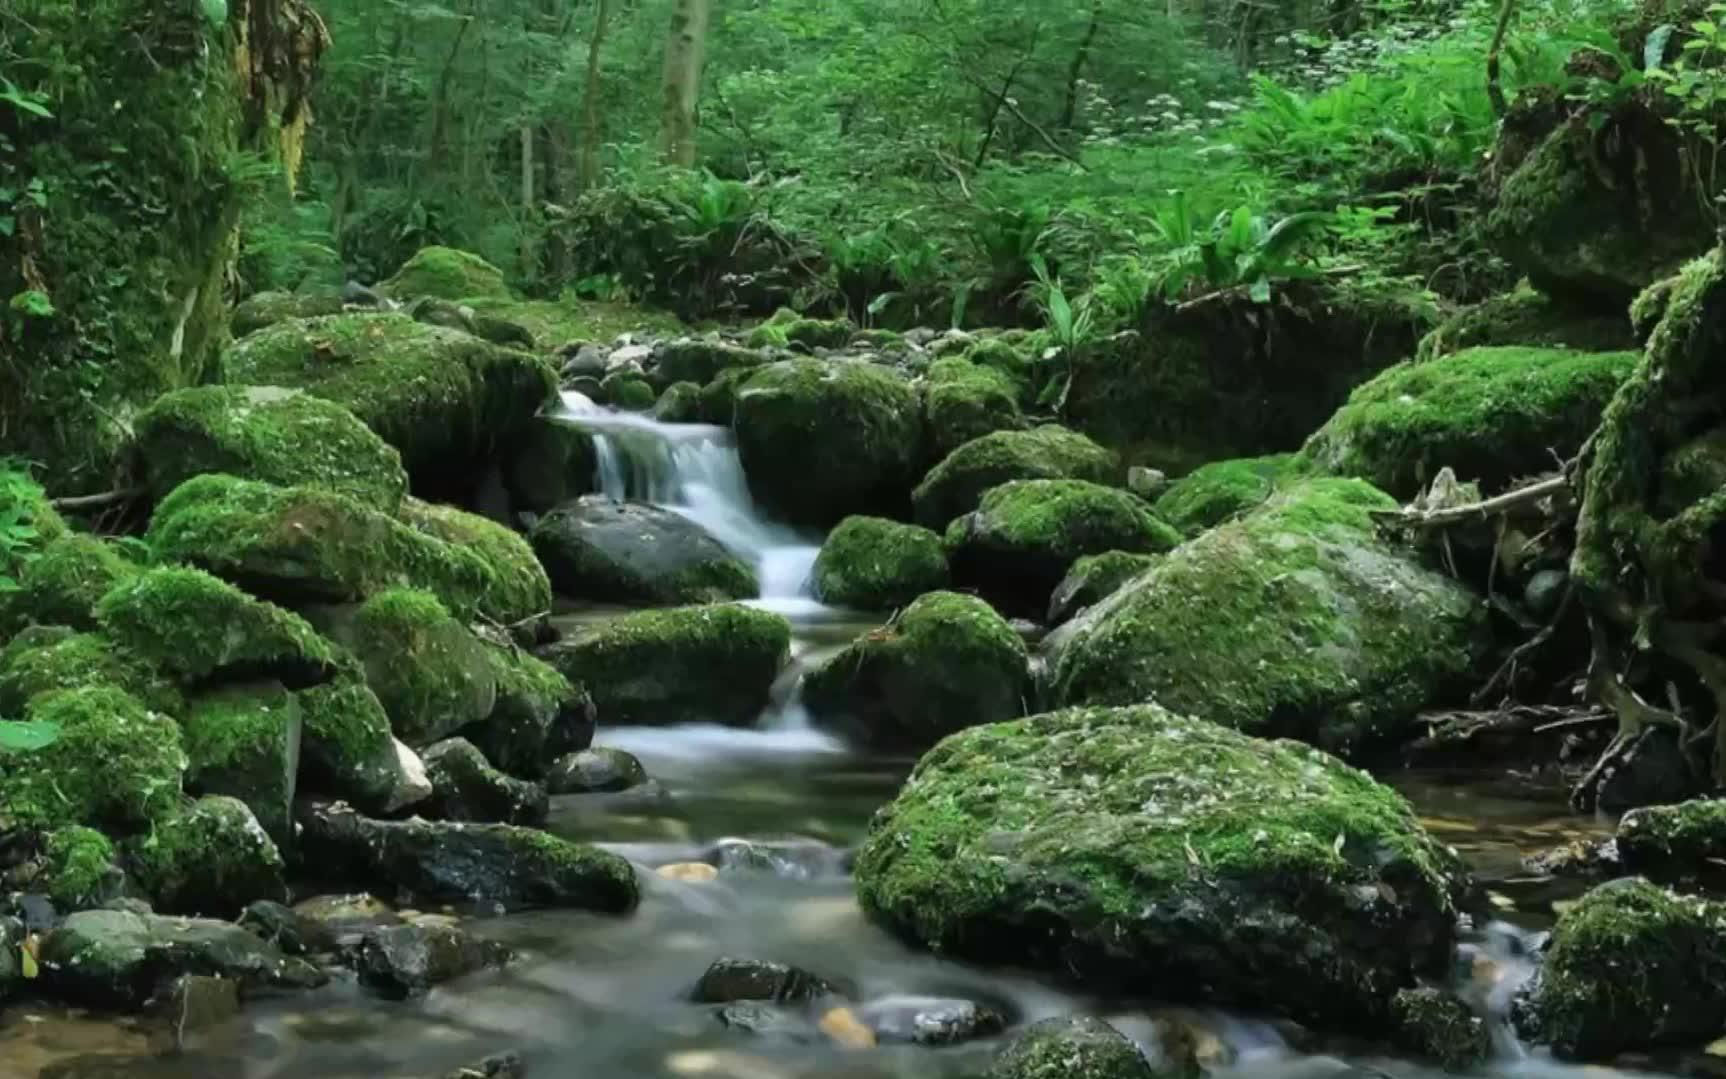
(587,172)
(685,48)
(1070,109)
(528,188)
(440,102)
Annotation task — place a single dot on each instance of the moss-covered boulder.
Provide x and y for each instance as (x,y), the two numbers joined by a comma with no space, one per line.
(701,360)
(80,868)
(963,401)
(1213,493)
(268,308)
(446,273)
(956,485)
(1436,1026)
(629,390)
(269,434)
(552,463)
(945,663)
(465,787)
(1293,621)
(822,440)
(713,664)
(787,328)
(62,582)
(46,658)
(213,860)
(1630,966)
(309,545)
(1094,578)
(873,564)
(432,675)
(199,627)
(113,764)
(1156,853)
(350,750)
(244,741)
(718,401)
(445,862)
(539,716)
(1491,414)
(627,552)
(680,403)
(515,581)
(1674,842)
(1528,318)
(447,400)
(1020,542)
(1071,1047)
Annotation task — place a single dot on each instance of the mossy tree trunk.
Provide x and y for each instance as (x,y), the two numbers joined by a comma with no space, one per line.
(123,189)
(685,50)
(1650,558)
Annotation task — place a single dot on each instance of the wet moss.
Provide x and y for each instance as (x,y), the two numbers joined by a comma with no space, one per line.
(1000,354)
(514,581)
(211,859)
(1436,1026)
(196,626)
(680,403)
(446,274)
(431,673)
(964,401)
(1674,841)
(873,564)
(787,327)
(78,866)
(956,485)
(539,716)
(1214,493)
(244,741)
(1069,1048)
(264,433)
(61,584)
(40,661)
(115,765)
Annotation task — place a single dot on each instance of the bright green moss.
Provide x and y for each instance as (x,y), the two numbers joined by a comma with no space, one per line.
(1095,578)
(269,434)
(873,564)
(39,661)
(628,391)
(446,274)
(1066,519)
(1631,966)
(78,866)
(114,766)
(442,397)
(514,580)
(998,354)
(964,401)
(680,403)
(62,582)
(308,543)
(555,323)
(431,673)
(1670,842)
(196,626)
(1492,414)
(1130,843)
(23,501)
(787,327)
(211,859)
(956,485)
(348,746)
(244,741)
(1293,621)
(1214,493)
(268,308)
(1527,318)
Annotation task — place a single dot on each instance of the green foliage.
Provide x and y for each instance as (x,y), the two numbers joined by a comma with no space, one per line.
(22,736)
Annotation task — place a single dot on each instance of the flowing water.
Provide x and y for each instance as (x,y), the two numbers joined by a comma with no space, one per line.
(778,808)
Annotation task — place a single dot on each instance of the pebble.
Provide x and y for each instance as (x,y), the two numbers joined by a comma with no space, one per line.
(689,872)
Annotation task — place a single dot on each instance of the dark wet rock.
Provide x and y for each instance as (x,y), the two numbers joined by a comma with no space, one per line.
(114,959)
(583,360)
(931,1020)
(201,1001)
(290,930)
(701,360)
(497,1066)
(1630,966)
(595,771)
(348,917)
(795,858)
(1592,860)
(211,859)
(1067,1048)
(1093,579)
(553,463)
(597,548)
(494,864)
(1436,1026)
(1150,852)
(730,979)
(407,960)
(1654,771)
(765,1021)
(715,664)
(465,787)
(946,662)
(1675,841)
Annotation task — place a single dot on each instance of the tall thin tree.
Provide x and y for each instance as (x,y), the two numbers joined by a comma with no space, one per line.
(685,49)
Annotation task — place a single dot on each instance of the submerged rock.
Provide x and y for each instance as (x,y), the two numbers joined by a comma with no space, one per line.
(597,548)
(465,787)
(1217,492)
(1020,542)
(729,980)
(213,859)
(931,1020)
(823,440)
(714,664)
(1077,1046)
(1630,966)
(945,663)
(116,959)
(956,485)
(873,564)
(1294,621)
(497,864)
(407,960)
(1149,852)
(1438,1027)
(595,771)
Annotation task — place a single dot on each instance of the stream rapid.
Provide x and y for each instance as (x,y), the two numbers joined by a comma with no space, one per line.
(778,807)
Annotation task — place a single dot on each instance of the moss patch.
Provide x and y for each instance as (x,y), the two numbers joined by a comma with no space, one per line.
(956,485)
(964,401)
(1095,578)
(1214,493)
(1528,318)
(212,859)
(445,273)
(78,866)
(872,564)
(42,660)
(244,741)
(514,579)
(115,765)
(61,584)
(431,673)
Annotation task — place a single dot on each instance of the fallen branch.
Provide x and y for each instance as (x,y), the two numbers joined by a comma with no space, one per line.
(1497,504)
(1455,729)
(80,503)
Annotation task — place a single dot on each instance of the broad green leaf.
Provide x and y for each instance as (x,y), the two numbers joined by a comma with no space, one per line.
(22,736)
(216,11)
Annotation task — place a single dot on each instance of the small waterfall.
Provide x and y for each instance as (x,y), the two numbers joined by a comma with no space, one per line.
(694,469)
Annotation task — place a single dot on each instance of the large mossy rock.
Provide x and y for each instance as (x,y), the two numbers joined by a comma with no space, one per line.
(431,673)
(956,485)
(445,273)
(270,434)
(62,582)
(1529,318)
(515,581)
(600,549)
(701,360)
(1293,621)
(823,440)
(540,715)
(713,664)
(1630,966)
(200,628)
(244,741)
(268,308)
(1093,579)
(1215,492)
(465,787)
(113,764)
(445,399)
(873,564)
(1491,414)
(47,658)
(213,859)
(1674,842)
(443,862)
(350,750)
(1021,541)
(963,401)
(1156,854)
(945,663)
(309,545)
